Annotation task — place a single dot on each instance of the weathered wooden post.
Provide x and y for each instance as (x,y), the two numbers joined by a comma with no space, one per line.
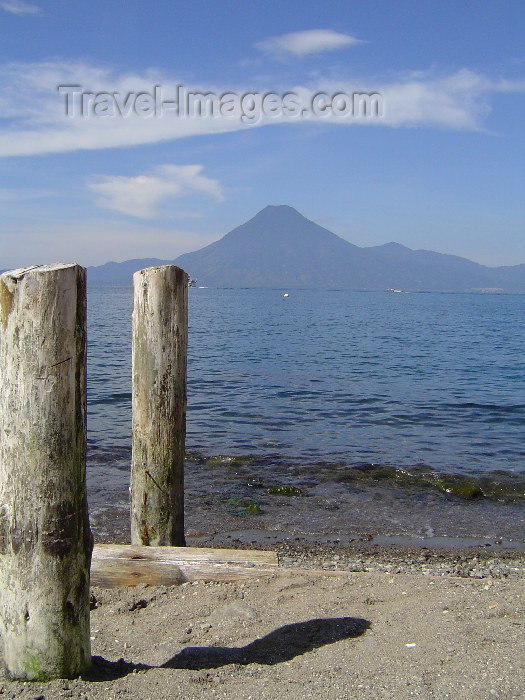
(160,337)
(45,539)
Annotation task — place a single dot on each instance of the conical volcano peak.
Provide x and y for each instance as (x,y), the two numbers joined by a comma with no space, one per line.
(279,208)
(278,221)
(278,212)
(280,248)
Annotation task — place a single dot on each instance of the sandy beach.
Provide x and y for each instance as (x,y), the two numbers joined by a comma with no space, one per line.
(452,628)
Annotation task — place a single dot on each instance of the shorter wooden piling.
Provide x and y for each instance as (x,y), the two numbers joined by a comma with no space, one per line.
(160,332)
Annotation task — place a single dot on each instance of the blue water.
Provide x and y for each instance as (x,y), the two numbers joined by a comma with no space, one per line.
(406,379)
(433,381)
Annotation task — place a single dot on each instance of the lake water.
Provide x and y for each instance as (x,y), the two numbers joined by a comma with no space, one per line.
(414,398)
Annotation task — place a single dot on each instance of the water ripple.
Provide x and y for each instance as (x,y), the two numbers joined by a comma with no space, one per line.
(383,378)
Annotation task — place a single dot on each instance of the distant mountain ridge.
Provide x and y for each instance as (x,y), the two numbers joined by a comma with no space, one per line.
(280,248)
(122,272)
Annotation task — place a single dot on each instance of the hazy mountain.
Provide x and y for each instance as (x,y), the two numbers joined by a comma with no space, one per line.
(512,278)
(277,248)
(114,272)
(281,248)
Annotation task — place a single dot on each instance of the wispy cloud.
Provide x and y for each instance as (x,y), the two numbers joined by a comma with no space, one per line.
(312,41)
(460,101)
(141,196)
(33,119)
(19,7)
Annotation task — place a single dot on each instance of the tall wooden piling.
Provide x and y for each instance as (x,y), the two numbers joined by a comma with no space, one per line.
(160,333)
(45,539)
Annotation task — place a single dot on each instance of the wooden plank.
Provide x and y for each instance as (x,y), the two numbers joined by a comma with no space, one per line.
(131,565)
(180,555)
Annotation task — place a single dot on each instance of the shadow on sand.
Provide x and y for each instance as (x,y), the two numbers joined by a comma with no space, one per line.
(283,644)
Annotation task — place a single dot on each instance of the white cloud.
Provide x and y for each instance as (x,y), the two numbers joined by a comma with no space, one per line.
(312,41)
(141,196)
(459,101)
(19,7)
(33,119)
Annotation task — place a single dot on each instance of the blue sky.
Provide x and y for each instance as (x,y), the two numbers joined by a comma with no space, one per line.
(442,169)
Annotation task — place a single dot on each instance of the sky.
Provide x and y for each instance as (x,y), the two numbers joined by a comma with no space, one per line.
(439,165)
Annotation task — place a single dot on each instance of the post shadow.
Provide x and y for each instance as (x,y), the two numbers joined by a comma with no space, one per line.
(283,644)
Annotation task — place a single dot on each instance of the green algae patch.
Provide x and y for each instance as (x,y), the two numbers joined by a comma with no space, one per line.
(33,670)
(244,506)
(507,491)
(215,461)
(372,472)
(227,460)
(467,488)
(285,491)
(253,509)
(462,489)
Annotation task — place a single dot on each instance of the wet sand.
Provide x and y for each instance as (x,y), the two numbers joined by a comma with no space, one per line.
(219,514)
